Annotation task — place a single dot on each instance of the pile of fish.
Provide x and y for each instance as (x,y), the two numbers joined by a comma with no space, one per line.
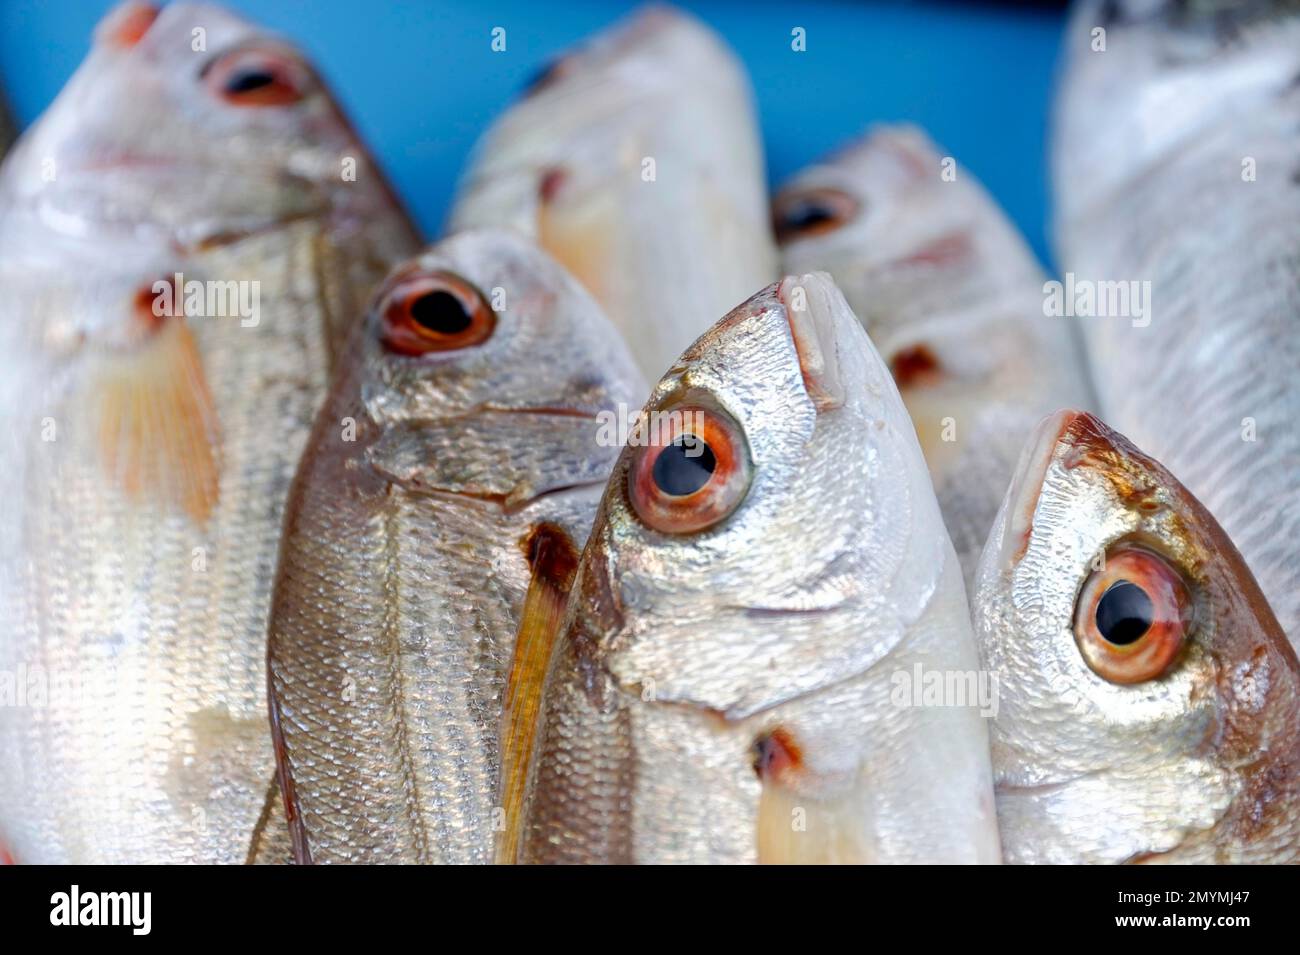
(533,546)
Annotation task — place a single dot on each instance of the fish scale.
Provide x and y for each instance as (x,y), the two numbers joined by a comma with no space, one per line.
(933,268)
(143,605)
(1189,756)
(403,575)
(138,539)
(1220,253)
(790,616)
(566,165)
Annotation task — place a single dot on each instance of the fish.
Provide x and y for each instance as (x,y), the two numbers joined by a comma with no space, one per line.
(178,246)
(1149,700)
(635,161)
(1177,183)
(433,526)
(767,576)
(951,296)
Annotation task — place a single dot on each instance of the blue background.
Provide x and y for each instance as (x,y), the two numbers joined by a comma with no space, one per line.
(420,81)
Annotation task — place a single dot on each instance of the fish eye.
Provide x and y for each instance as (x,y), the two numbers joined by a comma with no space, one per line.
(549,74)
(1132,617)
(798,215)
(257,78)
(433,311)
(691,472)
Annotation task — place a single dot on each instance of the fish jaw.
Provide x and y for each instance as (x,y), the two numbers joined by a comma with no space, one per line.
(1089,770)
(664,686)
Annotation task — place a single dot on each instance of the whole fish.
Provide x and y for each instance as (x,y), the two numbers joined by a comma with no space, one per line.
(1175,166)
(179,247)
(953,299)
(766,586)
(1149,700)
(635,161)
(433,527)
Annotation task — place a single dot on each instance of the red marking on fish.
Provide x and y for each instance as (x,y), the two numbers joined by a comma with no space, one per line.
(126,25)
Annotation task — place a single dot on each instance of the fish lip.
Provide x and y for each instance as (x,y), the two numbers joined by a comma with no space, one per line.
(546,410)
(1001,789)
(815,331)
(127,160)
(1023,495)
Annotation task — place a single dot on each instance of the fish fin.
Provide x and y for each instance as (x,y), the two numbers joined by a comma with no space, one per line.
(158,423)
(554,562)
(795,828)
(300,849)
(271,843)
(576,233)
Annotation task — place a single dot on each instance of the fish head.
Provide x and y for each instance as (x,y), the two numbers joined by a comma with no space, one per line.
(765,543)
(1144,682)
(889,203)
(485,320)
(930,265)
(778,425)
(480,354)
(553,163)
(1147,80)
(192,121)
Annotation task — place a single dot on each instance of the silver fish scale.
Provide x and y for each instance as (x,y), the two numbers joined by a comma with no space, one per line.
(165,758)
(1222,347)
(404,567)
(394,627)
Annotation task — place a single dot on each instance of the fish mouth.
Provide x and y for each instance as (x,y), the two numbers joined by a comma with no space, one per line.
(1031,470)
(127,160)
(815,309)
(126,24)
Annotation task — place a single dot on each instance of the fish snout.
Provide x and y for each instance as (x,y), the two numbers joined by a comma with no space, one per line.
(126,24)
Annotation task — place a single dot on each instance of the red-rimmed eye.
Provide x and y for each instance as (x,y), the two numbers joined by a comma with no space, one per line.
(258,77)
(434,312)
(550,74)
(1132,617)
(692,471)
(808,212)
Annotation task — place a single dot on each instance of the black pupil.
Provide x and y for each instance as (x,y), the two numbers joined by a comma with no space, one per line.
(806,214)
(441,312)
(1124,613)
(684,466)
(245,81)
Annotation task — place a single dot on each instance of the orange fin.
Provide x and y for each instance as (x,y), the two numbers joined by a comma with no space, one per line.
(554,562)
(578,235)
(158,424)
(798,829)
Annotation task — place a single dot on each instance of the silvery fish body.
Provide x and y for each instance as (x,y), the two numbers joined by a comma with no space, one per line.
(1176,165)
(635,161)
(953,299)
(149,434)
(406,558)
(1149,700)
(766,587)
